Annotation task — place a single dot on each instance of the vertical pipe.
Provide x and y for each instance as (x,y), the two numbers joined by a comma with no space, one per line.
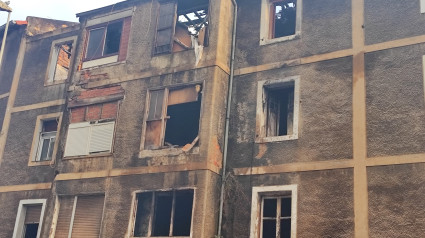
(226,132)
(3,43)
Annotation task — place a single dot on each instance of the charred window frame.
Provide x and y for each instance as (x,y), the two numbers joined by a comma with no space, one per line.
(274,212)
(103,40)
(181,25)
(163,213)
(280,20)
(172,117)
(277,110)
(29,219)
(61,57)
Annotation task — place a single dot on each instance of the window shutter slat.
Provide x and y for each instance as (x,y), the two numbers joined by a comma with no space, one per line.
(33,214)
(101,138)
(64,217)
(88,217)
(77,139)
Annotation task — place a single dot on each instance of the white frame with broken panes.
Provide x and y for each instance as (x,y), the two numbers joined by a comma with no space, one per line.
(100,20)
(53,59)
(36,143)
(20,217)
(265,28)
(134,206)
(261,128)
(167,151)
(259,194)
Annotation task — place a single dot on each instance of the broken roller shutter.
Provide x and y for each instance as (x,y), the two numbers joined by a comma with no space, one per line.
(101,137)
(77,139)
(33,214)
(165,27)
(66,206)
(88,217)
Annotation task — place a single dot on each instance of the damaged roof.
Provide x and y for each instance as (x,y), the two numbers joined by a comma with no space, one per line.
(109,8)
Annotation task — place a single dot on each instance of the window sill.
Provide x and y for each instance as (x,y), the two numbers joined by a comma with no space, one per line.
(166,152)
(90,156)
(100,62)
(40,163)
(265,41)
(276,139)
(46,84)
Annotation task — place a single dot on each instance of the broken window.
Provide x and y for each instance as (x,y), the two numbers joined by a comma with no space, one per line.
(279,104)
(29,218)
(283,18)
(60,62)
(91,130)
(79,216)
(163,214)
(46,142)
(280,110)
(181,25)
(173,117)
(104,40)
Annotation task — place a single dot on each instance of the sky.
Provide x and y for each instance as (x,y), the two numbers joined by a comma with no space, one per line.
(53,9)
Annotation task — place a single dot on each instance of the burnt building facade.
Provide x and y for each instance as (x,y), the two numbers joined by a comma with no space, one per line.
(216,118)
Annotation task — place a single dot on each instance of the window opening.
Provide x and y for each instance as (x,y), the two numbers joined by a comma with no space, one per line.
(276,217)
(63,60)
(47,140)
(169,213)
(183,27)
(283,18)
(31,230)
(104,41)
(280,110)
(173,117)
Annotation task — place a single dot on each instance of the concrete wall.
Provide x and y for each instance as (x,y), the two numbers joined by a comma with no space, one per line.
(392,20)
(325,116)
(396,204)
(325,202)
(325,27)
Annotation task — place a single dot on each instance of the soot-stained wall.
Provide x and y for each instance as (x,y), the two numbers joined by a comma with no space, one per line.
(395,101)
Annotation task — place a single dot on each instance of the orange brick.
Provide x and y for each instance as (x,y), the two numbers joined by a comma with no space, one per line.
(93,112)
(109,110)
(78,114)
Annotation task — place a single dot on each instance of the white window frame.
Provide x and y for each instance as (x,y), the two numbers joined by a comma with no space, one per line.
(262,119)
(20,218)
(258,193)
(422,5)
(90,126)
(34,157)
(265,23)
(43,136)
(54,54)
(133,211)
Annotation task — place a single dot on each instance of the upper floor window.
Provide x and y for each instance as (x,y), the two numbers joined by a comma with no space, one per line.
(44,146)
(60,60)
(172,117)
(181,25)
(104,40)
(107,39)
(280,20)
(277,106)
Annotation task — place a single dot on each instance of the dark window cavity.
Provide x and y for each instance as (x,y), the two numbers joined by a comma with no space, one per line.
(283,18)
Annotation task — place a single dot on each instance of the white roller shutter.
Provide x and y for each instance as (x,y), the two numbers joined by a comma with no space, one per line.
(77,139)
(101,137)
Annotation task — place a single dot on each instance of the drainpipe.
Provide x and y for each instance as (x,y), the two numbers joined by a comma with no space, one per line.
(226,132)
(4,7)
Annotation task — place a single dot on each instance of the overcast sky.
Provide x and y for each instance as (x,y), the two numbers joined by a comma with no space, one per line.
(54,9)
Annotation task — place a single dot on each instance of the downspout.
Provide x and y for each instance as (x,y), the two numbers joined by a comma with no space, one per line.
(4,38)
(226,130)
